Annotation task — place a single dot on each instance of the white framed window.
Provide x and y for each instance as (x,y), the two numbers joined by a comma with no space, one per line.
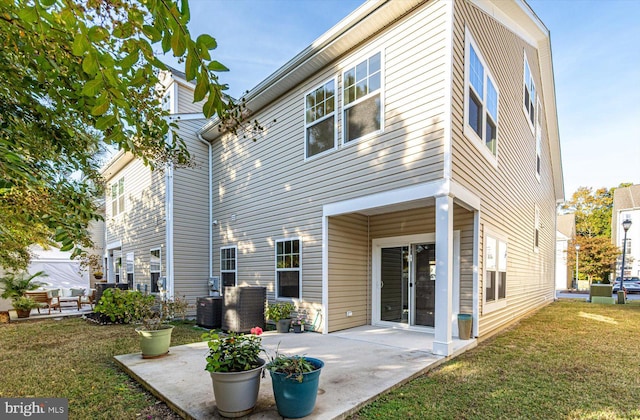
(129,269)
(228,266)
(495,272)
(481,98)
(320,119)
(117,269)
(536,233)
(288,268)
(529,95)
(155,268)
(538,144)
(362,108)
(117,197)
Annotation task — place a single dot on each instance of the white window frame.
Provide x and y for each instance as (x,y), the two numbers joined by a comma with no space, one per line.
(159,271)
(501,265)
(333,114)
(469,132)
(538,144)
(235,261)
(298,269)
(352,64)
(118,201)
(128,261)
(536,229)
(527,83)
(117,269)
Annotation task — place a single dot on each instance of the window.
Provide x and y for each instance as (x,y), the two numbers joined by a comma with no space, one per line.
(481,100)
(361,94)
(319,119)
(495,272)
(288,268)
(129,269)
(228,266)
(155,267)
(117,197)
(628,248)
(529,94)
(538,143)
(117,269)
(536,237)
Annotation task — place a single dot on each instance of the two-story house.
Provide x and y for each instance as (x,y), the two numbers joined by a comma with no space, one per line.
(156,220)
(412,174)
(626,205)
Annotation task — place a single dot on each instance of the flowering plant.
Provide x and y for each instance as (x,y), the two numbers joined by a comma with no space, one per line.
(299,320)
(233,352)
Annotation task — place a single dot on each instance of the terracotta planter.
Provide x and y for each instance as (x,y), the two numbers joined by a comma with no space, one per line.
(23,313)
(236,393)
(155,343)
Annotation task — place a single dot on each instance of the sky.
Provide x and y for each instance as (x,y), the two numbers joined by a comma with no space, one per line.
(596,57)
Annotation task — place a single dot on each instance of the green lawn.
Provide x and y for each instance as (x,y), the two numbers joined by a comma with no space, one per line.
(74,359)
(571,360)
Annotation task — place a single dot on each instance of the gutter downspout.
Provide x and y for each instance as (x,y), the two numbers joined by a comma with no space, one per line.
(210,210)
(168,203)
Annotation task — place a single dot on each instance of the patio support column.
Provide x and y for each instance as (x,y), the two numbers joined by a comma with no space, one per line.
(443,343)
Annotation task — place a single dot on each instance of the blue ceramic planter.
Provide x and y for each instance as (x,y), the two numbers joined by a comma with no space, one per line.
(296,399)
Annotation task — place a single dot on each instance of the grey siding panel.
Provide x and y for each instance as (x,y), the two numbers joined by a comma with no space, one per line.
(265,190)
(510,192)
(185,101)
(142,225)
(191,217)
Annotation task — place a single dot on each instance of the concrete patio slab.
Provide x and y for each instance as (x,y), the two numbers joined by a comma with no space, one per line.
(360,364)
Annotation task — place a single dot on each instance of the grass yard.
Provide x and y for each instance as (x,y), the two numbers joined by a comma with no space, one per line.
(73,359)
(571,360)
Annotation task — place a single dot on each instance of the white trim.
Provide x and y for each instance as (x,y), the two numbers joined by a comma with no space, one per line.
(235,270)
(448,89)
(114,245)
(298,269)
(538,143)
(476,270)
(187,116)
(513,21)
(455,309)
(525,87)
(479,141)
(325,274)
(443,342)
(352,63)
(498,303)
(126,268)
(334,79)
(210,209)
(169,286)
(159,249)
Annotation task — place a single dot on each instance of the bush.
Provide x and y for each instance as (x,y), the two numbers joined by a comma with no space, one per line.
(124,306)
(279,310)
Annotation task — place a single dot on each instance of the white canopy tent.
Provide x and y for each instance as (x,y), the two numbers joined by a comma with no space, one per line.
(62,271)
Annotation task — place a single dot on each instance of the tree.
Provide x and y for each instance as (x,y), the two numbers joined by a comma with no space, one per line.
(597,256)
(74,75)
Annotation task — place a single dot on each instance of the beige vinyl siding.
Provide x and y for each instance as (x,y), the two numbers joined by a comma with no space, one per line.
(184,101)
(274,193)
(141,226)
(510,192)
(191,217)
(349,277)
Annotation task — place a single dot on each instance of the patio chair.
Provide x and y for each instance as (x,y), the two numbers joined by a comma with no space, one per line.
(89,299)
(45,299)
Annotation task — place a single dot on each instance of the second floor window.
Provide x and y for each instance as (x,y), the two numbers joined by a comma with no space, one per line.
(529,94)
(117,197)
(481,99)
(319,119)
(228,266)
(361,87)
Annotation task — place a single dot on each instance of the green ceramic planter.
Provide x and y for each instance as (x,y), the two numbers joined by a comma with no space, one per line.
(155,343)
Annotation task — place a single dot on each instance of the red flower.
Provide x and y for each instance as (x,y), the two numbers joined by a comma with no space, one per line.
(256,330)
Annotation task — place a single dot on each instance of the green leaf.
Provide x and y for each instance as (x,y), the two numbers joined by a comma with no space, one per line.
(202,87)
(47,3)
(92,87)
(106,121)
(207,41)
(166,42)
(102,105)
(178,43)
(209,108)
(190,66)
(98,34)
(131,59)
(186,13)
(28,14)
(80,45)
(152,33)
(90,64)
(217,66)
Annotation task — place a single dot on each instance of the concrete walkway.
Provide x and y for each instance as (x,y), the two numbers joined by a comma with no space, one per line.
(360,364)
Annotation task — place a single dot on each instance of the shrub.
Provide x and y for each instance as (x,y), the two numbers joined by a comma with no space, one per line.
(279,310)
(124,306)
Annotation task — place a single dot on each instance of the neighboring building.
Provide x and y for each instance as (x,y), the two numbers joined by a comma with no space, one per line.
(565,233)
(413,173)
(626,205)
(156,220)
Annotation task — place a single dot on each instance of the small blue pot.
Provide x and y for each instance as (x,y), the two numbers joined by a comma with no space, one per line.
(296,399)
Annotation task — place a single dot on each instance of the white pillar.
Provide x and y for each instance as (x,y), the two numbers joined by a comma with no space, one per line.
(443,343)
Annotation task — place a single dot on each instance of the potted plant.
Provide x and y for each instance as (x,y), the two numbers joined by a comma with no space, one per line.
(98,275)
(298,324)
(16,285)
(23,306)
(235,367)
(295,382)
(280,313)
(155,332)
